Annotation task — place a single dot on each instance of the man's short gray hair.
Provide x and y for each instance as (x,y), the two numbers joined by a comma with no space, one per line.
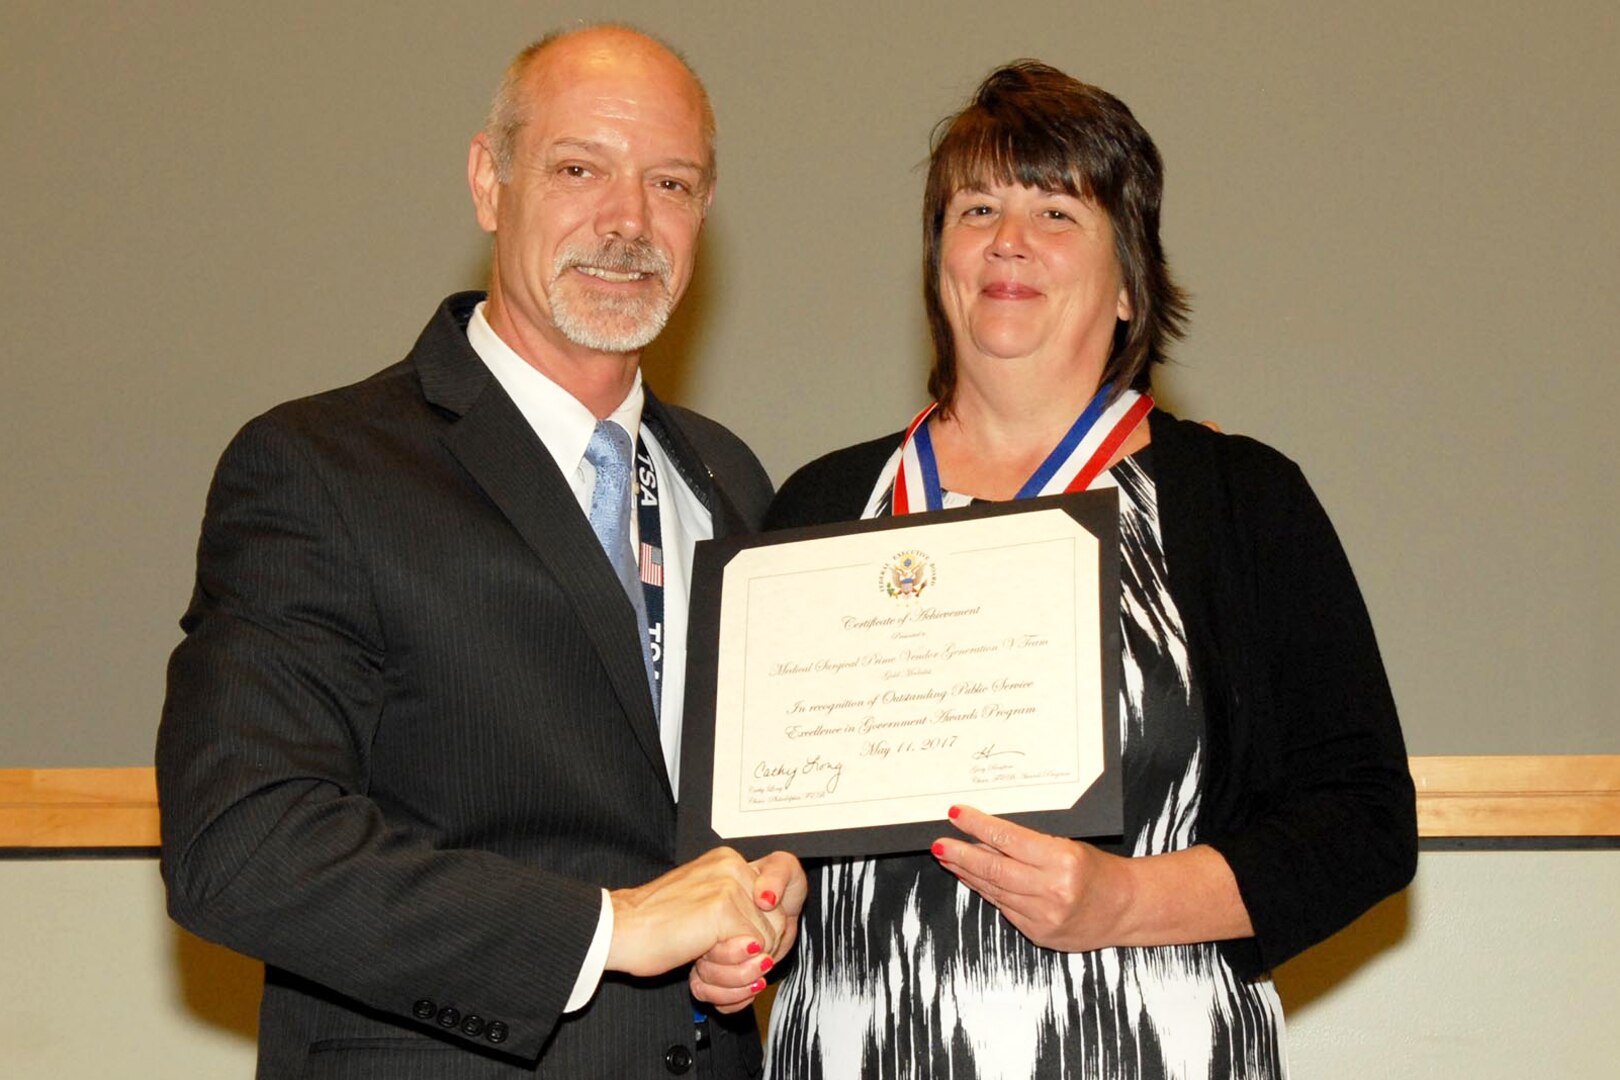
(508,110)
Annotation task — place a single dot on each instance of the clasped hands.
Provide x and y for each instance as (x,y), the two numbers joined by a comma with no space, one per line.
(735,918)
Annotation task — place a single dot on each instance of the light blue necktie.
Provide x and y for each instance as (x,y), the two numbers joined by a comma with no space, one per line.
(609,453)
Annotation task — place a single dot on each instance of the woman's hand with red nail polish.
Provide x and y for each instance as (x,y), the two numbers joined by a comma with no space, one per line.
(729,975)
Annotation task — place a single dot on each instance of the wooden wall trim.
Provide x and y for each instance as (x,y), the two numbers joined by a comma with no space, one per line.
(1518,796)
(78,808)
(1512,796)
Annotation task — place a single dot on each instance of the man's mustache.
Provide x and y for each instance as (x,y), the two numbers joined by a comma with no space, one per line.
(637,256)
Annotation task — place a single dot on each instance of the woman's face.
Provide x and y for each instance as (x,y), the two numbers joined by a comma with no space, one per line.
(1030,273)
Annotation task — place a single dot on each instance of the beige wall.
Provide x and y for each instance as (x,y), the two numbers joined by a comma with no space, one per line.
(1495,966)
(1397,220)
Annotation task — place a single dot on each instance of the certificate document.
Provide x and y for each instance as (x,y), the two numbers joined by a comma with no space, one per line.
(848,685)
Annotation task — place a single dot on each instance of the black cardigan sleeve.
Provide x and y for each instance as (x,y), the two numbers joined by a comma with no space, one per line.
(1311,799)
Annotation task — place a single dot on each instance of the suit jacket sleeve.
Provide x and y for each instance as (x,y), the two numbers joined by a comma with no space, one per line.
(271,842)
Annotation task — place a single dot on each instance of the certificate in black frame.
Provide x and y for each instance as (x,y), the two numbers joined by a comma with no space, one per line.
(1096,815)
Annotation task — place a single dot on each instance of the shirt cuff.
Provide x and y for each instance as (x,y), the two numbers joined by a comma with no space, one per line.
(590,972)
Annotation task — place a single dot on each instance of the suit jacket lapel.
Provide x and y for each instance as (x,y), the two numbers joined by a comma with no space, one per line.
(727,519)
(496,446)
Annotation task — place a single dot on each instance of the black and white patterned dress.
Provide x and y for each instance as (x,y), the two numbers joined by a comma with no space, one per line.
(905,974)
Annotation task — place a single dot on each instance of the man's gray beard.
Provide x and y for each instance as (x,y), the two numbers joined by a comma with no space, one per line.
(609,324)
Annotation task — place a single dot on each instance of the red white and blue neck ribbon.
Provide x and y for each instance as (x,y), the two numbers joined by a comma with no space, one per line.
(1077,460)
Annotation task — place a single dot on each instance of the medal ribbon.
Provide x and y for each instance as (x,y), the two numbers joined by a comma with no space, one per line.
(1077,460)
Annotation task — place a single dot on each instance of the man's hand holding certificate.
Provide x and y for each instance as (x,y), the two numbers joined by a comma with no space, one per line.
(849,685)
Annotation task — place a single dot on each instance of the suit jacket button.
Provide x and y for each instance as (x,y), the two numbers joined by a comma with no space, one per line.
(423,1010)
(473,1025)
(495,1032)
(449,1017)
(678,1059)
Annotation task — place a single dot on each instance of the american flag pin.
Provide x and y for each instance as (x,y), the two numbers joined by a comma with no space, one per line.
(652,565)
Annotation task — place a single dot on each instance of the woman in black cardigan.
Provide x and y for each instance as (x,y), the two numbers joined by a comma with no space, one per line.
(1267,797)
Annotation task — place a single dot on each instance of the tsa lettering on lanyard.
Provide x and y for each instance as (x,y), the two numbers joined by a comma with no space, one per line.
(651,556)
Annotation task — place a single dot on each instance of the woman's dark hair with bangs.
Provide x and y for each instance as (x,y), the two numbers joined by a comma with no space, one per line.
(1029,123)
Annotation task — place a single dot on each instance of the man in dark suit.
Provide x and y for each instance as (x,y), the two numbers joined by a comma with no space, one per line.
(420,743)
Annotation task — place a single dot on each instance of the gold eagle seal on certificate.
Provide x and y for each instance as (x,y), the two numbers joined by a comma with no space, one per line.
(907,575)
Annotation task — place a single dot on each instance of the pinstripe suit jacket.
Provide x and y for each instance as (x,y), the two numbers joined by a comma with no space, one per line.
(408,734)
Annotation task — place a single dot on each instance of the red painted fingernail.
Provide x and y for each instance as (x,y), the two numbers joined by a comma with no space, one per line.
(754,947)
(768,896)
(955,812)
(938,850)
(757,985)
(766,965)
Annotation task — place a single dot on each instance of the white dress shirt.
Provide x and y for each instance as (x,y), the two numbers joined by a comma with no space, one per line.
(564,425)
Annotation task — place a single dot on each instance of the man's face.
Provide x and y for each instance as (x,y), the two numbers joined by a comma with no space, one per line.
(596,224)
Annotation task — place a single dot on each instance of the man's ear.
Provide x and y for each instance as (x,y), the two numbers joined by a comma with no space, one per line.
(483,178)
